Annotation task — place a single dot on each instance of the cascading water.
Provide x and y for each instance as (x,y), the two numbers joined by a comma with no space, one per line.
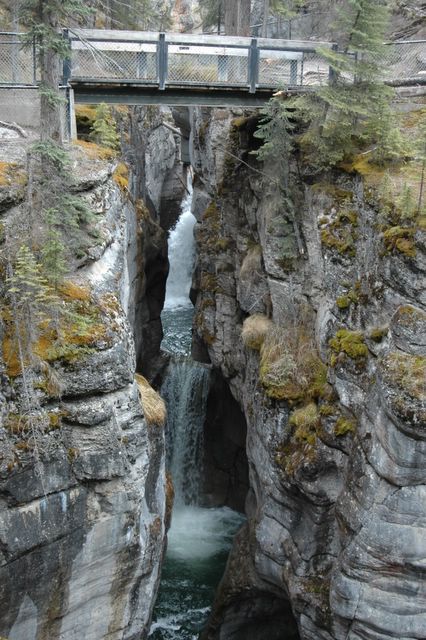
(199,538)
(185,391)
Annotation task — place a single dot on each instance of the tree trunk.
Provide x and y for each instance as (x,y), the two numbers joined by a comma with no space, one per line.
(265,18)
(50,108)
(237,18)
(16,76)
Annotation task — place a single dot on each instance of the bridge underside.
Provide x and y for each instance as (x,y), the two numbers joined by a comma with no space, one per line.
(174,96)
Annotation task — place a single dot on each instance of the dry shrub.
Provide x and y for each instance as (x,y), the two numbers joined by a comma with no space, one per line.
(255,329)
(252,262)
(152,403)
(290,368)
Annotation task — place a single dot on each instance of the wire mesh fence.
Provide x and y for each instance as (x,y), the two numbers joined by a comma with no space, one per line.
(17,60)
(117,60)
(189,61)
(405,60)
(207,66)
(278,69)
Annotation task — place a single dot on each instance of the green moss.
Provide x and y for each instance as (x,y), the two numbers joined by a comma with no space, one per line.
(340,196)
(400,239)
(305,422)
(343,242)
(72,454)
(349,342)
(212,212)
(290,457)
(344,426)
(239,123)
(343,302)
(348,215)
(222,244)
(326,409)
(208,282)
(378,333)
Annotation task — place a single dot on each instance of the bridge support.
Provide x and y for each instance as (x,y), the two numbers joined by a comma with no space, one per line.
(71,122)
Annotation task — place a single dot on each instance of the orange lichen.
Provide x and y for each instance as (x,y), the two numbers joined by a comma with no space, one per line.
(121,176)
(95,151)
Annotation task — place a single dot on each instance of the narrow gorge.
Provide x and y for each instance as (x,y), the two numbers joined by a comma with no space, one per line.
(212,420)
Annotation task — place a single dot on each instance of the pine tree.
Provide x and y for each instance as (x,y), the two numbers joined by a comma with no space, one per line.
(354,109)
(275,130)
(421,155)
(44,20)
(104,130)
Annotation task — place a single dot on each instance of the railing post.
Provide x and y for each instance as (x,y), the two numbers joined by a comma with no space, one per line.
(253,66)
(67,62)
(34,61)
(293,73)
(162,61)
(332,75)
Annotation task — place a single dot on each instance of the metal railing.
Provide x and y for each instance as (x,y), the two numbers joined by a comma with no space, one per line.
(179,60)
(405,62)
(18,63)
(170,60)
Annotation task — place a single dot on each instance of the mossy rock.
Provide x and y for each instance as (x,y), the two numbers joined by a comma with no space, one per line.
(351,343)
(406,372)
(400,239)
(377,334)
(344,426)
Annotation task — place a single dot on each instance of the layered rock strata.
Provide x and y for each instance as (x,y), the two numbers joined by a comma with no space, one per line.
(335,432)
(82,502)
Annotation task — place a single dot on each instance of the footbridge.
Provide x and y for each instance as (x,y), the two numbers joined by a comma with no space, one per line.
(173,68)
(133,67)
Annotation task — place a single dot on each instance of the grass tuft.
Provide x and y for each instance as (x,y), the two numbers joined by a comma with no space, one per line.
(152,403)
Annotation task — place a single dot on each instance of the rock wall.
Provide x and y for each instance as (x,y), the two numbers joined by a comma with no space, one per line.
(83,511)
(335,538)
(158,183)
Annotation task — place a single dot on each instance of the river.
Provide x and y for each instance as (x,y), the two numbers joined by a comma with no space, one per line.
(199,538)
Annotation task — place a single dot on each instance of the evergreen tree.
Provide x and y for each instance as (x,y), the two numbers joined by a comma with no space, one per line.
(212,14)
(355,108)
(421,155)
(233,16)
(104,130)
(44,20)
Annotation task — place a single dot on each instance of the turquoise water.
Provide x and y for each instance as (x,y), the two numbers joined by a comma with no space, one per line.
(199,542)
(199,539)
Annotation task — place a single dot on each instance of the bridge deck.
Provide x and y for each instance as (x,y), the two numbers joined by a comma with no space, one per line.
(227,68)
(172,68)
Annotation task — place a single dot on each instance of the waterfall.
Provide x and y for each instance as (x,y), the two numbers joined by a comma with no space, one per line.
(199,538)
(181,256)
(185,391)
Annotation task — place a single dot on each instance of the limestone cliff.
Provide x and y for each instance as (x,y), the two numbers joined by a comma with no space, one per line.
(82,502)
(317,321)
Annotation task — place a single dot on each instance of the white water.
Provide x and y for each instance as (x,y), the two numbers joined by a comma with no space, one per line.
(181,257)
(199,534)
(185,391)
(199,539)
